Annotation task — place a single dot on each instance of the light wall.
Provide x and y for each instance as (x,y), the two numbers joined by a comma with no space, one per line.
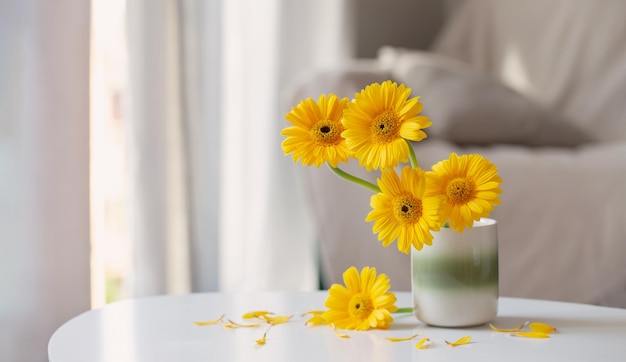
(403,23)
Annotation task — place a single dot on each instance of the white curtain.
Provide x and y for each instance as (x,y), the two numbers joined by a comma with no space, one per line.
(266,240)
(158,183)
(215,203)
(206,86)
(44,172)
(205,152)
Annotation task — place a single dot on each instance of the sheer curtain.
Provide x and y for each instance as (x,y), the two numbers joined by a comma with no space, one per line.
(217,204)
(158,182)
(44,172)
(266,241)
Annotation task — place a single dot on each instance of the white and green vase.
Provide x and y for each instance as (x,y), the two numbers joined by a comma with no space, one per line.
(455,281)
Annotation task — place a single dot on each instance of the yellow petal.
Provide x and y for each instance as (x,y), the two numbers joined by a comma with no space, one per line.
(422,343)
(278,319)
(316,317)
(316,320)
(391,339)
(261,341)
(232,324)
(542,327)
(506,330)
(460,341)
(255,314)
(206,323)
(339,334)
(532,334)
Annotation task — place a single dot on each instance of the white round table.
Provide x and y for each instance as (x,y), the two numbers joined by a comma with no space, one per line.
(160,329)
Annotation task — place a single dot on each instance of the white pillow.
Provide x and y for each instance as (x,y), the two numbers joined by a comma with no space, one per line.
(473,109)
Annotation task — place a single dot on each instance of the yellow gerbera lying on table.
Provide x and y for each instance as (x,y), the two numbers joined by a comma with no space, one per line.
(377,128)
(363,303)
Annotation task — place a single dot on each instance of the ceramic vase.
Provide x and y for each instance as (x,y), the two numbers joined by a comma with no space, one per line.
(455,281)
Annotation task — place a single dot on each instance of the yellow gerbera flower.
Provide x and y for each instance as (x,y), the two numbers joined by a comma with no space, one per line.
(402,211)
(363,303)
(470,187)
(315,136)
(379,120)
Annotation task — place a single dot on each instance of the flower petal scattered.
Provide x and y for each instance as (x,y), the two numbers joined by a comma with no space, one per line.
(423,343)
(459,342)
(542,327)
(255,314)
(402,339)
(339,334)
(531,334)
(207,323)
(537,330)
(507,330)
(261,341)
(277,319)
(317,318)
(231,324)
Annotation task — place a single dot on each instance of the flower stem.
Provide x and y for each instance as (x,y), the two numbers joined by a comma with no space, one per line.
(359,181)
(412,156)
(404,310)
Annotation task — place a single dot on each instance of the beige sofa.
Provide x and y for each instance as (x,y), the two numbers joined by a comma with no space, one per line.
(539,88)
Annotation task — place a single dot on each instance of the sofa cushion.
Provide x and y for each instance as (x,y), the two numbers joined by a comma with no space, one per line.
(469,108)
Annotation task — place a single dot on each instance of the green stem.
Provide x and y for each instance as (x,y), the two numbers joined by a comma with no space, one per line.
(412,156)
(359,181)
(404,310)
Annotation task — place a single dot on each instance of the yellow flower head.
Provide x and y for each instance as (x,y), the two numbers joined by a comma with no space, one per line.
(470,187)
(363,303)
(402,211)
(379,120)
(315,136)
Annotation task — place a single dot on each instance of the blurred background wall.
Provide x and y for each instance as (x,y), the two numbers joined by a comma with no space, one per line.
(403,23)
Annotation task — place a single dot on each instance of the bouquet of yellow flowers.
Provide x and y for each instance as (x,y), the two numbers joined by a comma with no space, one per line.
(377,128)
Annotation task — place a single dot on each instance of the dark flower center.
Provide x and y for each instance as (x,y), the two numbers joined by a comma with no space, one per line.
(326,132)
(407,209)
(360,306)
(385,127)
(460,191)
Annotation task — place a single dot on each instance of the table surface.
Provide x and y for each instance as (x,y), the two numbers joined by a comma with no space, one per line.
(162,329)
